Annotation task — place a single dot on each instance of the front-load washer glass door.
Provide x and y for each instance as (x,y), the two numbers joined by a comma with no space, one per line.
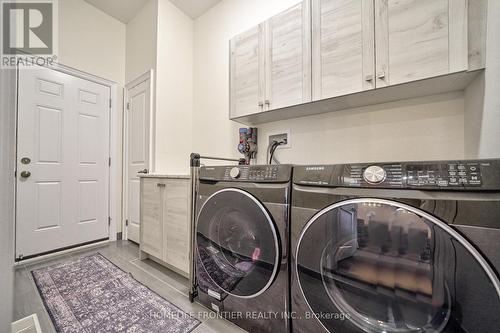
(238,243)
(372,265)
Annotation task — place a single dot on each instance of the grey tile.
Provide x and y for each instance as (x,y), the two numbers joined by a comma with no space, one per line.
(126,249)
(22,283)
(48,262)
(215,325)
(88,251)
(181,300)
(175,280)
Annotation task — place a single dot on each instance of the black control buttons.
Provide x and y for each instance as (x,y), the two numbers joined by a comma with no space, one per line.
(263,173)
(444,175)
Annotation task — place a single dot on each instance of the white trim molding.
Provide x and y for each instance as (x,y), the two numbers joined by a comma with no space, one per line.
(148,75)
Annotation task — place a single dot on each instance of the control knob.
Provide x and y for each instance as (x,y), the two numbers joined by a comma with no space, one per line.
(374,174)
(234,173)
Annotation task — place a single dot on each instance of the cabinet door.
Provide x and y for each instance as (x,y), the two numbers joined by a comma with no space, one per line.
(418,39)
(288,57)
(247,73)
(343,58)
(151,217)
(176,223)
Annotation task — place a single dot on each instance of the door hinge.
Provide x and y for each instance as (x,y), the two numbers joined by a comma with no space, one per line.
(15,173)
(109,161)
(128,106)
(109,221)
(126,223)
(110,103)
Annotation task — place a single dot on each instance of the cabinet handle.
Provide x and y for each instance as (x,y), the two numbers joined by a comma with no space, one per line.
(160,185)
(381,75)
(268,102)
(261,104)
(369,78)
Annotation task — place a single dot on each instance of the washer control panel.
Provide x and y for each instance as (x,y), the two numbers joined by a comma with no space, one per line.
(444,175)
(255,173)
(247,173)
(357,175)
(474,175)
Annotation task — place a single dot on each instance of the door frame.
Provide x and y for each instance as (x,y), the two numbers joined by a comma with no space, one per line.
(148,75)
(114,138)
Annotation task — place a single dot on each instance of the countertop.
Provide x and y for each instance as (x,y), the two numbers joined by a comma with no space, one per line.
(157,175)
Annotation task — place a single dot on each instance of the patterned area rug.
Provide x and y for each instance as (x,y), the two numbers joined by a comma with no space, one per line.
(92,295)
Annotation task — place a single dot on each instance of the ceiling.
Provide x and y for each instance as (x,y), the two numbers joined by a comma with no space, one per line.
(195,8)
(125,10)
(122,10)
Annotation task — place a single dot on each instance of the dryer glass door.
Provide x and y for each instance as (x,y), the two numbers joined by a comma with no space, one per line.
(372,265)
(238,243)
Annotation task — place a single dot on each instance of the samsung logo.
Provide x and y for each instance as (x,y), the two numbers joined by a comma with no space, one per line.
(315,168)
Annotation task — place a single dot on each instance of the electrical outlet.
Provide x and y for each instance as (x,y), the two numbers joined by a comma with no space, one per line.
(283,136)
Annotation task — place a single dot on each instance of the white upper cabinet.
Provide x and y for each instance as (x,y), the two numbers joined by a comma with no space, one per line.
(418,39)
(288,58)
(343,58)
(247,72)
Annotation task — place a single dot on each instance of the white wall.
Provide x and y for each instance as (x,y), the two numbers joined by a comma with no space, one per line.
(7,194)
(174,90)
(488,145)
(94,42)
(91,41)
(427,128)
(141,37)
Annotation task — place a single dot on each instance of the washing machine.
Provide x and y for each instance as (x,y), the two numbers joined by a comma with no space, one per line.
(396,247)
(242,242)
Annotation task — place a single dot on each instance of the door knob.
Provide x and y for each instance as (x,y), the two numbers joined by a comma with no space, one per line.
(25,174)
(25,160)
(143,171)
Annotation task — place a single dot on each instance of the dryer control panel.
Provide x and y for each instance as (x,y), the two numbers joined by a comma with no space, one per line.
(449,175)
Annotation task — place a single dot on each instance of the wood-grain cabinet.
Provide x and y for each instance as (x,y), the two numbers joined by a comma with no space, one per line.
(419,39)
(271,63)
(165,221)
(322,49)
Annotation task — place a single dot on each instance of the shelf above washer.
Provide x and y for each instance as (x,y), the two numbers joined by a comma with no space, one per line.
(427,87)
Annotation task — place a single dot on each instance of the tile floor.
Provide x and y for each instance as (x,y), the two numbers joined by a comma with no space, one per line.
(125,255)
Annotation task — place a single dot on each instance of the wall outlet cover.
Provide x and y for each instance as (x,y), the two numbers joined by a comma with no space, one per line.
(281,136)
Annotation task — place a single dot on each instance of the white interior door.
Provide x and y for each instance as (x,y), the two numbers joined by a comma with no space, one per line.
(137,120)
(62,161)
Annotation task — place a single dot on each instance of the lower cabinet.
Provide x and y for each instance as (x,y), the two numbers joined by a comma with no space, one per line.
(165,221)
